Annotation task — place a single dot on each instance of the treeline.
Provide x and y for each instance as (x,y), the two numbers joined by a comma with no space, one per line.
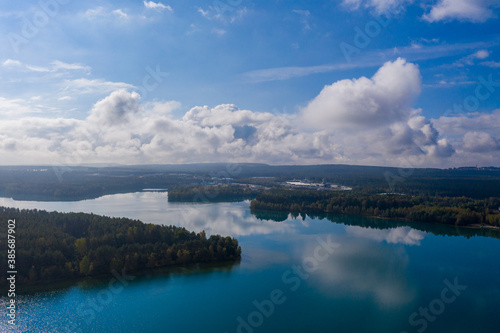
(210,193)
(64,191)
(474,187)
(53,246)
(80,183)
(70,183)
(478,183)
(460,211)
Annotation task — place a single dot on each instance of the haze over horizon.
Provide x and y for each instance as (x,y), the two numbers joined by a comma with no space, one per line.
(363,82)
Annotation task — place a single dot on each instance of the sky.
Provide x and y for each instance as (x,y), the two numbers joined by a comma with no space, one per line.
(401,83)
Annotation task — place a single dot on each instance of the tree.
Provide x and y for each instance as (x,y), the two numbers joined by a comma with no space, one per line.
(81,246)
(85,266)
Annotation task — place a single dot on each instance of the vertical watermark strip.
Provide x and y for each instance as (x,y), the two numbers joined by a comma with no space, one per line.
(11,272)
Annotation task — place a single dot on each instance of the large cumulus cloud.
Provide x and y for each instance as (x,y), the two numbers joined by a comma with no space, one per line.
(374,116)
(383,99)
(357,121)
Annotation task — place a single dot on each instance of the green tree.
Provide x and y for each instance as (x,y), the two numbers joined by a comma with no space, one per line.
(85,266)
(81,246)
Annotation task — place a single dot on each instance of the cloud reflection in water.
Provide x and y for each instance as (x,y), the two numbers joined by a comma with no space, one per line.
(400,235)
(361,268)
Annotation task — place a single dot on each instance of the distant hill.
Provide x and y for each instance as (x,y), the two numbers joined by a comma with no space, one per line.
(80,182)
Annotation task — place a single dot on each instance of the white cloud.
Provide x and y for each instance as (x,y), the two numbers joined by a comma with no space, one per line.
(16,64)
(475,137)
(120,13)
(451,82)
(120,128)
(482,54)
(302,12)
(219,32)
(305,14)
(400,235)
(441,10)
(463,10)
(285,73)
(429,52)
(359,121)
(368,59)
(225,114)
(225,13)
(157,6)
(380,6)
(57,65)
(92,13)
(469,60)
(17,107)
(384,99)
(459,126)
(11,63)
(193,29)
(86,86)
(491,64)
(480,142)
(100,12)
(373,118)
(115,109)
(204,13)
(38,68)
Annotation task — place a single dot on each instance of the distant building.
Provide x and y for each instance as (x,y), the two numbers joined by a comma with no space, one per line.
(305,184)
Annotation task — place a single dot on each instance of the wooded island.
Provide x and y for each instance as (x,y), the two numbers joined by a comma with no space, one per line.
(53,246)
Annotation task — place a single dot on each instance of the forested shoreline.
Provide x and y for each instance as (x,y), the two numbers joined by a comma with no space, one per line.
(210,193)
(52,246)
(459,211)
(61,183)
(55,246)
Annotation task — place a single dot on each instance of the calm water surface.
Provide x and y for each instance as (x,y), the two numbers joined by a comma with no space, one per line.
(298,275)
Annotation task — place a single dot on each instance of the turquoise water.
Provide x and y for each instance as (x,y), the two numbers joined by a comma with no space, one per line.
(299,275)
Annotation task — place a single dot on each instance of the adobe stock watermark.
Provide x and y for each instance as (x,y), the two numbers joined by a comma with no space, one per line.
(372,29)
(406,169)
(151,81)
(47,10)
(421,319)
(207,194)
(89,309)
(484,89)
(292,279)
(223,6)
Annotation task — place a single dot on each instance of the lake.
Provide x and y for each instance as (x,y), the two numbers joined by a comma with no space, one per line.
(303,274)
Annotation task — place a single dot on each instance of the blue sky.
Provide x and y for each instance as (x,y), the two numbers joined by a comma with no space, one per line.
(258,67)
